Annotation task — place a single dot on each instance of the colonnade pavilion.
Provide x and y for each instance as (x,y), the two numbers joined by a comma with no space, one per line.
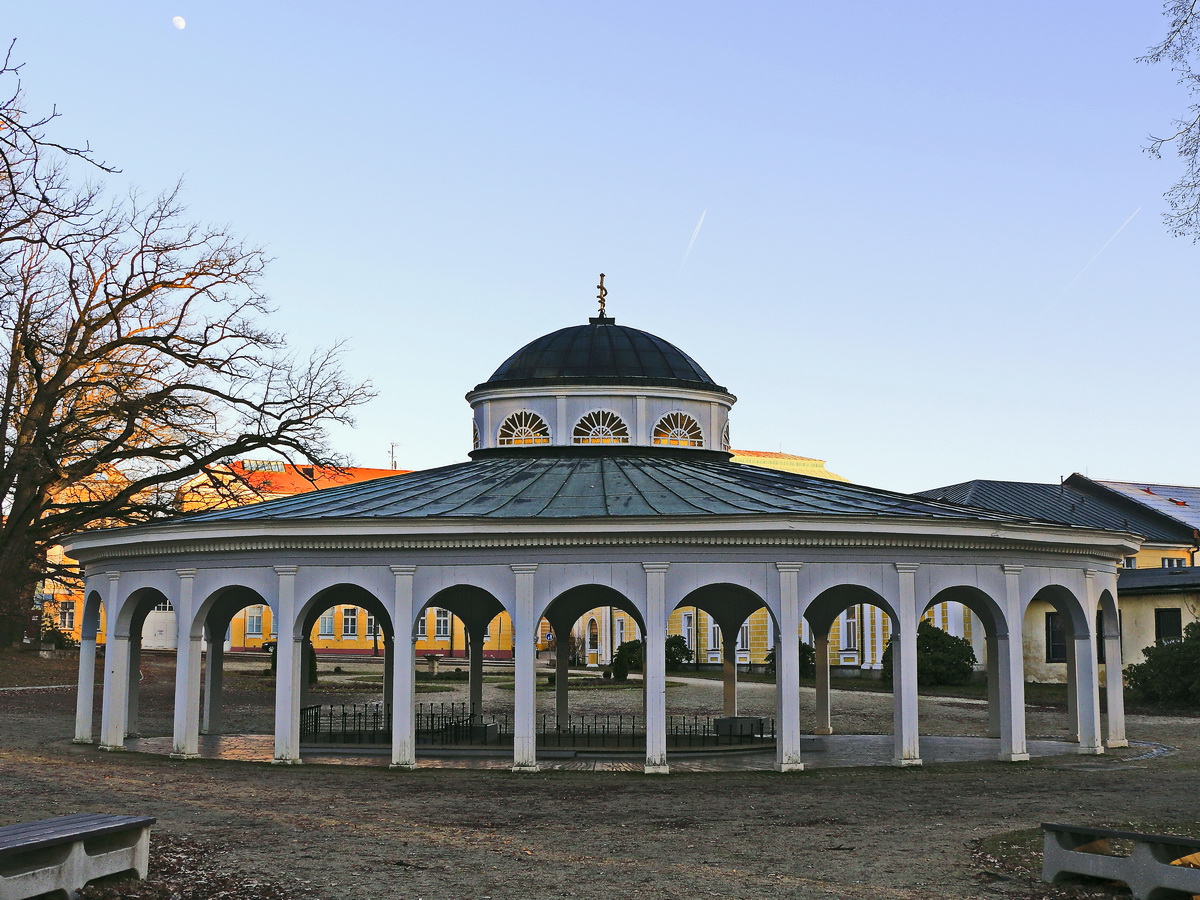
(600,476)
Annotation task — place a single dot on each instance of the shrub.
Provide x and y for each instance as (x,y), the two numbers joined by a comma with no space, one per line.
(552,678)
(52,634)
(1170,673)
(678,652)
(628,656)
(808,661)
(942,658)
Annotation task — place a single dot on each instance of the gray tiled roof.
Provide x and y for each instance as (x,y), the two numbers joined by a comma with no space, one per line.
(1148,581)
(562,487)
(1058,503)
(1175,500)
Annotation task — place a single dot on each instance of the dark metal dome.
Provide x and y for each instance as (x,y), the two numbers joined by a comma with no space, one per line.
(601,352)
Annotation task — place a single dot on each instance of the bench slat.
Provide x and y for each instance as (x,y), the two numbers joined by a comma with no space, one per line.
(65,829)
(1166,839)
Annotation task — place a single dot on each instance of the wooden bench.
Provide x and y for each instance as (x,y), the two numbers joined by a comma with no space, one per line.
(1158,866)
(54,858)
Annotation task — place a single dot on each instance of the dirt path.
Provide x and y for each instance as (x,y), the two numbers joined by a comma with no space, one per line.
(355,832)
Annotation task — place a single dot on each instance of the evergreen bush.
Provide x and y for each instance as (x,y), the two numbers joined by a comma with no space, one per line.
(628,656)
(1170,673)
(942,658)
(808,661)
(678,652)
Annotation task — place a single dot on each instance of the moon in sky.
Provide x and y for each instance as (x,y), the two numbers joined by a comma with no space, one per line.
(179,22)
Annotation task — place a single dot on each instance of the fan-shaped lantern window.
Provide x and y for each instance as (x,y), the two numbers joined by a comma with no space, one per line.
(677,429)
(474,436)
(725,445)
(523,427)
(600,427)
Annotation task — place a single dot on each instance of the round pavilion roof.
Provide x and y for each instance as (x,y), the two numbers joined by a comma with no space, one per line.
(601,352)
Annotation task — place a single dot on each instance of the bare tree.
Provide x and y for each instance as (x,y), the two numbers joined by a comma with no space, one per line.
(1180,48)
(132,356)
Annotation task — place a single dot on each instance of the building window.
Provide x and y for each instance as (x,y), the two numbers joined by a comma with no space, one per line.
(1168,625)
(725,445)
(474,436)
(743,641)
(1172,562)
(350,621)
(325,624)
(262,465)
(620,624)
(593,637)
(422,631)
(254,617)
(689,630)
(164,606)
(66,615)
(442,625)
(1130,562)
(714,635)
(522,428)
(372,625)
(677,429)
(850,629)
(600,427)
(1056,638)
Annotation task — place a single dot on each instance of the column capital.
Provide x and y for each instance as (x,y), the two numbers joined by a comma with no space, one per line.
(1013,570)
(655,568)
(113,577)
(286,570)
(907,568)
(403,570)
(788,566)
(1090,573)
(186,573)
(524,568)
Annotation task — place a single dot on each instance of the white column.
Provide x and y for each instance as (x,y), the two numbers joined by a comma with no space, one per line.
(214,681)
(1088,699)
(824,721)
(904,670)
(1010,656)
(287,670)
(404,678)
(787,671)
(114,704)
(87,686)
(525,672)
(654,657)
(1114,682)
(562,675)
(185,744)
(1072,680)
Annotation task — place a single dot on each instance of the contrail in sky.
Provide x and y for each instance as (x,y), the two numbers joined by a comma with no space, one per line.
(692,242)
(1079,274)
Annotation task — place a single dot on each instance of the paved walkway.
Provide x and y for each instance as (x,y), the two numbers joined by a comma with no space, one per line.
(833,751)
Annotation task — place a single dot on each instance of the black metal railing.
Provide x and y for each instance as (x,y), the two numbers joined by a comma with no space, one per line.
(453,724)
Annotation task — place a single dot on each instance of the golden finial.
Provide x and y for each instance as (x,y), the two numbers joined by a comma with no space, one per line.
(603,293)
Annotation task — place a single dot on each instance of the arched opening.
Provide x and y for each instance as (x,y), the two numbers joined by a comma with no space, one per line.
(1108,631)
(123,715)
(228,610)
(832,631)
(457,623)
(1061,647)
(608,619)
(336,707)
(999,655)
(725,614)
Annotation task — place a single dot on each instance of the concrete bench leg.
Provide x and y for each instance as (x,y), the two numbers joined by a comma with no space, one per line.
(64,869)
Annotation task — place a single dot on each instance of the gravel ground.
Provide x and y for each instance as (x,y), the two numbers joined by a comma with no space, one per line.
(259,831)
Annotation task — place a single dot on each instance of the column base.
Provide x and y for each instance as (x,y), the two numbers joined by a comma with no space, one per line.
(904,763)
(404,767)
(184,756)
(1090,751)
(1013,757)
(822,731)
(662,769)
(89,740)
(1119,742)
(285,762)
(789,767)
(526,770)
(113,748)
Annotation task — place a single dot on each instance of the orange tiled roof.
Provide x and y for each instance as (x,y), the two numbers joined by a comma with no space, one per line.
(768,454)
(302,479)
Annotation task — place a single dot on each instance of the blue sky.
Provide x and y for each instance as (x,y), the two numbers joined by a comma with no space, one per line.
(900,205)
